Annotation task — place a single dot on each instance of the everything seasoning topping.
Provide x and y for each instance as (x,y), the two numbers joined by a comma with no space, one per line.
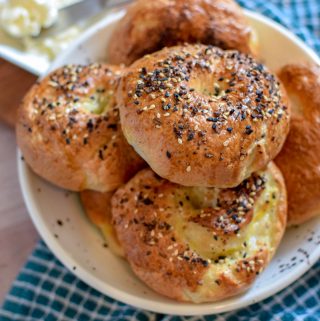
(150,218)
(254,265)
(216,88)
(79,101)
(234,207)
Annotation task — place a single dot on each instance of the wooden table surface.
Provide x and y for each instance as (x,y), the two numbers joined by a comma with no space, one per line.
(17,234)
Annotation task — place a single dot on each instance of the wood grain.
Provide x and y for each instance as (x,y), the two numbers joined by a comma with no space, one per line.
(17,234)
(14,83)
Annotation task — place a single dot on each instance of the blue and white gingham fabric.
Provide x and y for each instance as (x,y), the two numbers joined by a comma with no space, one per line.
(45,290)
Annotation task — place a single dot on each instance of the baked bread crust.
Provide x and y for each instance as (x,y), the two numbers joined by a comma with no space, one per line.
(201,116)
(299,158)
(149,26)
(69,131)
(97,207)
(200,244)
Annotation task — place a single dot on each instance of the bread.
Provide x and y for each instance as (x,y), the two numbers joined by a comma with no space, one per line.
(200,244)
(97,207)
(299,158)
(201,116)
(148,26)
(69,131)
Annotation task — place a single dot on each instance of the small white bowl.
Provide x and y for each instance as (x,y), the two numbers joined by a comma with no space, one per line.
(79,245)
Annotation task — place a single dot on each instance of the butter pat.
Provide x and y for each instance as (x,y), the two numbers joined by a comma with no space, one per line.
(25,18)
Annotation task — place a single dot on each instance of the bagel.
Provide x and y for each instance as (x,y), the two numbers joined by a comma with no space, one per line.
(97,207)
(69,132)
(201,116)
(299,158)
(149,26)
(200,244)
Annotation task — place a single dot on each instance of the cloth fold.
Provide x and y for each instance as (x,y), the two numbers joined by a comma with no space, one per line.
(45,290)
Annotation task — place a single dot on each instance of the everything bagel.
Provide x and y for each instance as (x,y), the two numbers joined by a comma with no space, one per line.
(299,158)
(69,132)
(149,26)
(200,244)
(97,207)
(201,116)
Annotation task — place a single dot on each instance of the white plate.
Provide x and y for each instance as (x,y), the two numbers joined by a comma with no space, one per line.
(79,245)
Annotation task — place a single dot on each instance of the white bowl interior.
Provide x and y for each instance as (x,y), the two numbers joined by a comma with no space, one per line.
(80,246)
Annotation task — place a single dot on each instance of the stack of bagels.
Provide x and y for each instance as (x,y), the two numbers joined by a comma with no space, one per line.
(179,147)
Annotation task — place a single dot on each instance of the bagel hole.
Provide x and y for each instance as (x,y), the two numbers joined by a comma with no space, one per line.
(211,89)
(203,197)
(98,103)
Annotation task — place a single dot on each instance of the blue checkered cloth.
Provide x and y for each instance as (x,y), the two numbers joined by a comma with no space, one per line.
(46,290)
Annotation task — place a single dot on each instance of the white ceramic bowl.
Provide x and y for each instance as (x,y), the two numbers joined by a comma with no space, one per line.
(79,245)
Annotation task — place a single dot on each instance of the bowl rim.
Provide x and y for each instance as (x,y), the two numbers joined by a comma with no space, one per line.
(182,309)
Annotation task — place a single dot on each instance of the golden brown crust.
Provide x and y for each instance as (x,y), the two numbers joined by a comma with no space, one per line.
(299,158)
(150,26)
(179,257)
(97,206)
(207,117)
(69,131)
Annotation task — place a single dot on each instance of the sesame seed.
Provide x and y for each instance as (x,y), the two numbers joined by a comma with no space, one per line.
(53,83)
